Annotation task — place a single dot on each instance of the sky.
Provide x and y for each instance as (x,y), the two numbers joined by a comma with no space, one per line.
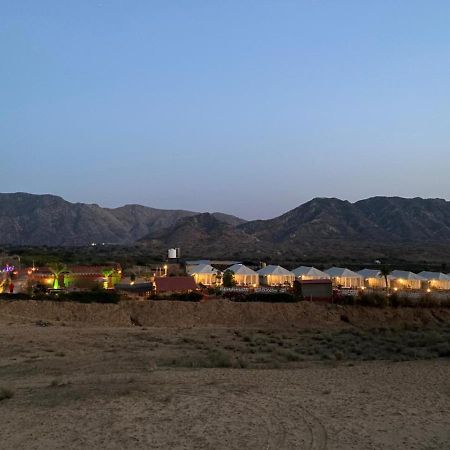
(240,106)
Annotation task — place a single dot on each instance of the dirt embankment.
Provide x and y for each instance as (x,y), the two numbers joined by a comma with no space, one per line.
(217,313)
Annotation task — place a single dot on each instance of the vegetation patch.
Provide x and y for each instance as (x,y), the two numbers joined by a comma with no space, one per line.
(6,393)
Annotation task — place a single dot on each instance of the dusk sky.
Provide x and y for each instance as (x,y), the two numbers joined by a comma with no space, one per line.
(244,107)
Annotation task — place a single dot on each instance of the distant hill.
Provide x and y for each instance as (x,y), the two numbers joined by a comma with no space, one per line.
(203,234)
(328,229)
(28,219)
(321,229)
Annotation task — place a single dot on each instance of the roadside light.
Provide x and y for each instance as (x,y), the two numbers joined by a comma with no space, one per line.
(428,290)
(395,289)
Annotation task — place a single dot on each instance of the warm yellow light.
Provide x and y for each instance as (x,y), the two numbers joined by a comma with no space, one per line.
(131,283)
(395,289)
(363,287)
(428,290)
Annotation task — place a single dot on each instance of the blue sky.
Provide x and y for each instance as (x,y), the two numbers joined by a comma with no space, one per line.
(246,107)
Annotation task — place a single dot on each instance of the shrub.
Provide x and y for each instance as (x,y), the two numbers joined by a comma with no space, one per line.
(374,299)
(234,296)
(218,358)
(182,297)
(98,296)
(17,296)
(270,297)
(5,393)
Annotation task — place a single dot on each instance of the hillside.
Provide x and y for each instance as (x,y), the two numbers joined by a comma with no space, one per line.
(328,229)
(205,234)
(28,219)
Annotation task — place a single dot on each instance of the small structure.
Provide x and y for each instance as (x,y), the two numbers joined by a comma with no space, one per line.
(345,278)
(310,273)
(316,290)
(402,279)
(373,279)
(275,276)
(173,254)
(174,284)
(205,274)
(436,280)
(244,276)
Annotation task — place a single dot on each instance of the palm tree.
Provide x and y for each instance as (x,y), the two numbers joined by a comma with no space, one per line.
(56,270)
(385,271)
(107,273)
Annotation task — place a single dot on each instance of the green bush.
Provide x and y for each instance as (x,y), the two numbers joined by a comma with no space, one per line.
(373,299)
(97,296)
(270,297)
(17,296)
(182,297)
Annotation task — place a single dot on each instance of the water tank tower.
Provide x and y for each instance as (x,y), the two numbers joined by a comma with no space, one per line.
(173,253)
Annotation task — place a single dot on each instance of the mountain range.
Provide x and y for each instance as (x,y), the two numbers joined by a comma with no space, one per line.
(323,228)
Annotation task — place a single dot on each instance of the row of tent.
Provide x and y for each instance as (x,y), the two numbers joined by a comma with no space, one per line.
(272,275)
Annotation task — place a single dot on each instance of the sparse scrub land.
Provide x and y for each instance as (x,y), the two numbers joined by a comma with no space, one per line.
(264,351)
(172,371)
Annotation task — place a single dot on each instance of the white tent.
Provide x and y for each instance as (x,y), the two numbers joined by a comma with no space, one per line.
(402,279)
(436,280)
(310,273)
(373,278)
(244,276)
(275,276)
(345,278)
(205,274)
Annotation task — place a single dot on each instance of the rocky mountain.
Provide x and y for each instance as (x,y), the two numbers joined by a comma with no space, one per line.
(203,234)
(379,227)
(323,228)
(28,219)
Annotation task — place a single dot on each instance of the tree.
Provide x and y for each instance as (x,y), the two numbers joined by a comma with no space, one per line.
(107,273)
(385,271)
(56,270)
(228,279)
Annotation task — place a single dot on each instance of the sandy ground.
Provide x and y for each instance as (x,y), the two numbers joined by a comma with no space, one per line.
(105,387)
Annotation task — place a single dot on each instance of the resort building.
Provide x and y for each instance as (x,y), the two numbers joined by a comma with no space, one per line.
(275,276)
(205,274)
(373,279)
(310,273)
(345,278)
(174,284)
(436,280)
(75,277)
(402,279)
(244,276)
(316,290)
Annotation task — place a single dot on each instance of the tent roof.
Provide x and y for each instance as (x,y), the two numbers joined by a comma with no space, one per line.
(274,270)
(342,272)
(203,268)
(310,272)
(197,262)
(369,273)
(405,275)
(240,269)
(434,276)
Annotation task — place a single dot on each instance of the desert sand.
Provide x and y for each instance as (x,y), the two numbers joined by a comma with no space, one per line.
(77,384)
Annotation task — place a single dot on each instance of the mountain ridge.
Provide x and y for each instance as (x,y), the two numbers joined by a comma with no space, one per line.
(375,227)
